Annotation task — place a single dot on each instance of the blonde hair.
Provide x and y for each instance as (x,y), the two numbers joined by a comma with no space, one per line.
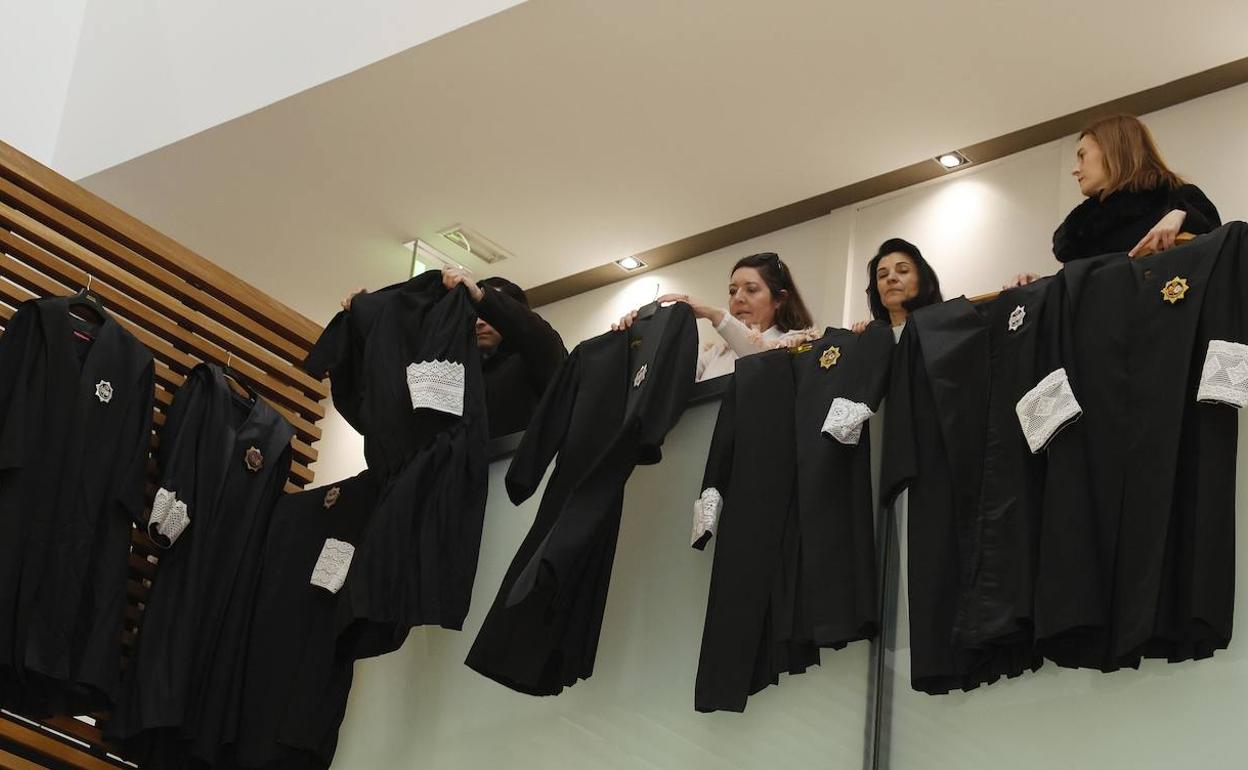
(1132,160)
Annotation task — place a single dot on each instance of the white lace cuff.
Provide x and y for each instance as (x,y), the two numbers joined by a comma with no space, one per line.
(332,565)
(706,511)
(1047,408)
(1224,379)
(168,519)
(845,419)
(437,385)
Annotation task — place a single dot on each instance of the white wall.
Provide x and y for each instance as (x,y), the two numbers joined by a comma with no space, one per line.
(38,44)
(152,72)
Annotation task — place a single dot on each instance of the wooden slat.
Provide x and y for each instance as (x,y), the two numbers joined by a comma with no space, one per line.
(50,747)
(71,266)
(156,247)
(203,324)
(54,238)
(14,762)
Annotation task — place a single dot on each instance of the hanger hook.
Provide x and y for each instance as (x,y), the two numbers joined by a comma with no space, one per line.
(88,282)
(229,359)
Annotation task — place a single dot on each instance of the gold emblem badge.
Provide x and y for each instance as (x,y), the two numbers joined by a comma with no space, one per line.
(829,357)
(331,496)
(1174,290)
(254,459)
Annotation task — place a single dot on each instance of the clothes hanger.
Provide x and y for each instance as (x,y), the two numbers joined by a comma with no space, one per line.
(238,383)
(85,299)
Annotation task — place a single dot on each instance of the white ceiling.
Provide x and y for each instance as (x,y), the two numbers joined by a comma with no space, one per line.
(573,132)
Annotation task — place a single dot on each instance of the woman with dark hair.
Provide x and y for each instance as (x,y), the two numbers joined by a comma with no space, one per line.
(899,281)
(1135,203)
(765,311)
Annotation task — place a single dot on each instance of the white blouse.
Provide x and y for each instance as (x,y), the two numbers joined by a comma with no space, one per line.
(719,358)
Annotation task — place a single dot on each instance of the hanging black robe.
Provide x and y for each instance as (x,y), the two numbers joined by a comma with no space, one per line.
(790,468)
(405,372)
(1153,355)
(295,687)
(223,460)
(75,428)
(608,410)
(952,439)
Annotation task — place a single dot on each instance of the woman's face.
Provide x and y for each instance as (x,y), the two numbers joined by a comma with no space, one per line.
(897,280)
(750,301)
(1090,171)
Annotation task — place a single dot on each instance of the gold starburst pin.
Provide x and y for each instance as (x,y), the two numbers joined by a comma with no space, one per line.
(1174,290)
(829,357)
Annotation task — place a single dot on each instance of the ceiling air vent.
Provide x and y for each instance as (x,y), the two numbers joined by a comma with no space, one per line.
(476,244)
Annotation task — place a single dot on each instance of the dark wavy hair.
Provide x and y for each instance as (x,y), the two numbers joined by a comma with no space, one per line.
(791,313)
(929,284)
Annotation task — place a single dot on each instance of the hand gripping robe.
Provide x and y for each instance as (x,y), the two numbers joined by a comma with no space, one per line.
(787,500)
(405,372)
(1137,554)
(295,687)
(952,439)
(223,460)
(607,410)
(75,429)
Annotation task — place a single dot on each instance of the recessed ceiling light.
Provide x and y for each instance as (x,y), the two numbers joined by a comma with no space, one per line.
(630,263)
(475,244)
(952,160)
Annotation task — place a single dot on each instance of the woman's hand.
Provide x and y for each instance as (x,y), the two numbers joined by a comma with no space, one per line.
(625,321)
(456,276)
(860,327)
(346,301)
(1022,279)
(1162,236)
(712,314)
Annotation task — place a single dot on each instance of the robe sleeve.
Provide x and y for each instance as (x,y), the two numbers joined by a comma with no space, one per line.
(718,474)
(442,346)
(859,397)
(1224,374)
(1050,405)
(131,482)
(540,347)
(178,459)
(1202,216)
(546,431)
(17,351)
(339,354)
(899,465)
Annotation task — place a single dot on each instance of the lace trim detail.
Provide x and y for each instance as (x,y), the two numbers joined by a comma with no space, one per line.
(332,565)
(437,385)
(1224,378)
(845,419)
(168,519)
(706,510)
(1047,408)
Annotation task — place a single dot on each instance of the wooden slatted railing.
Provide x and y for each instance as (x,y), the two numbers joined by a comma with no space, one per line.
(57,238)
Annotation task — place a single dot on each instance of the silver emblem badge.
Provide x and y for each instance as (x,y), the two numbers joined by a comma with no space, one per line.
(104,391)
(1017,317)
(641,377)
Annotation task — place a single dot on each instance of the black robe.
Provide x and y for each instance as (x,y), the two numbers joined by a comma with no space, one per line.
(75,428)
(952,439)
(518,371)
(223,460)
(1153,357)
(607,411)
(1117,223)
(790,467)
(405,372)
(295,688)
